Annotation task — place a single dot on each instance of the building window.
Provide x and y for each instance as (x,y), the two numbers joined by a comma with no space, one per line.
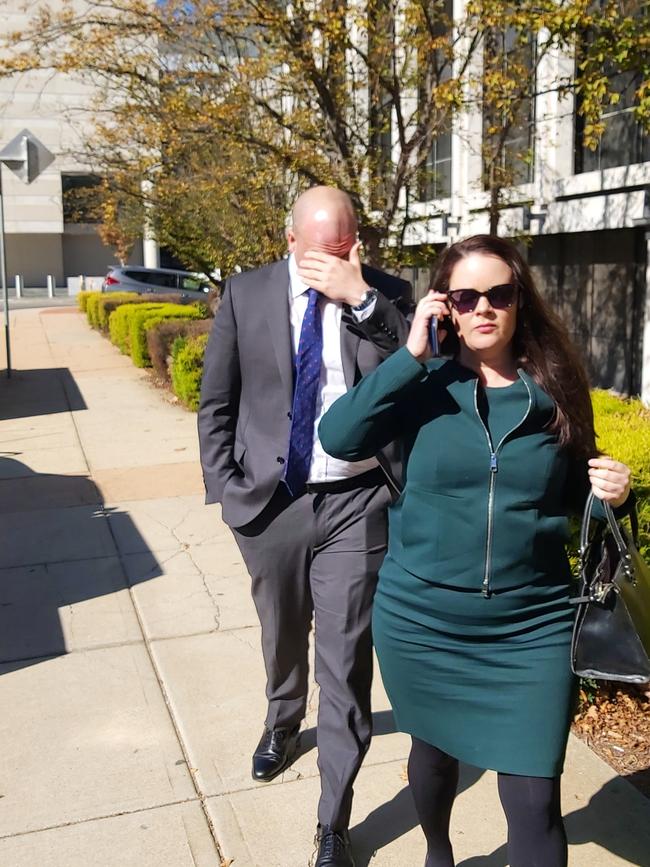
(79,203)
(624,140)
(434,180)
(509,130)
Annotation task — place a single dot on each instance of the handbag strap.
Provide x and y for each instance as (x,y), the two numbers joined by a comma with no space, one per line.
(612,524)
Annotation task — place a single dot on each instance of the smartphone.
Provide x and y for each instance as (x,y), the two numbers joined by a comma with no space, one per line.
(433,337)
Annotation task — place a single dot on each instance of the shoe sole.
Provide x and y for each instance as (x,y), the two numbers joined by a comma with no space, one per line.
(290,757)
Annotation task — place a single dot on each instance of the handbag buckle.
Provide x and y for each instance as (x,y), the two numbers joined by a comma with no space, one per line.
(601,591)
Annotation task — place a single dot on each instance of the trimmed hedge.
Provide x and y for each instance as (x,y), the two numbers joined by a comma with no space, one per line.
(120,321)
(92,308)
(187,368)
(82,299)
(111,301)
(141,319)
(161,337)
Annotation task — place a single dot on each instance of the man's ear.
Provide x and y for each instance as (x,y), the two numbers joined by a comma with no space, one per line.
(291,240)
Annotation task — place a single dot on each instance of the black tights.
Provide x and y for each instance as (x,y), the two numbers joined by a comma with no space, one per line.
(536,835)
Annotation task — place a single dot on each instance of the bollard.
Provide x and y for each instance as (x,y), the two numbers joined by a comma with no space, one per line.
(51,285)
(20,285)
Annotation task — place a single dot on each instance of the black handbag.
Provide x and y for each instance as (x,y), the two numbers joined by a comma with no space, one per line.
(611,634)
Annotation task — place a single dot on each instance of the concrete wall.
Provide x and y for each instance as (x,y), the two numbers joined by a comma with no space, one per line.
(34,256)
(596,282)
(84,253)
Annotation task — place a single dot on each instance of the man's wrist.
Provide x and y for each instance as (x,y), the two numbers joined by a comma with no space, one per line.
(356,294)
(363,299)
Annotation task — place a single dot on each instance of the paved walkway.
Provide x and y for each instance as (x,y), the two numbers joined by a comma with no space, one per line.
(131,683)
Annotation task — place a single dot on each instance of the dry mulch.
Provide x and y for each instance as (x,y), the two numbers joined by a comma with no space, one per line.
(615,723)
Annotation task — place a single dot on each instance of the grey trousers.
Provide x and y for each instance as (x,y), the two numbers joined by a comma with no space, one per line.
(320,554)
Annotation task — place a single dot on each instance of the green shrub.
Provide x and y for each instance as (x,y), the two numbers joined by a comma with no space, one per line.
(140,319)
(119,323)
(92,308)
(623,428)
(112,300)
(82,299)
(161,337)
(103,306)
(187,368)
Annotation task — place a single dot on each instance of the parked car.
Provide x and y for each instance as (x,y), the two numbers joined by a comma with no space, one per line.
(157,281)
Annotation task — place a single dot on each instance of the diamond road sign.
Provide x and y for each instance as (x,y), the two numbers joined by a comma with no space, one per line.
(26,156)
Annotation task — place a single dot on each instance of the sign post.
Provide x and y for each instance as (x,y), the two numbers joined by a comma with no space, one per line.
(27,157)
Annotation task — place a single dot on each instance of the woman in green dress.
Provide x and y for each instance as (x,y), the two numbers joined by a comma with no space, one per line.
(472,621)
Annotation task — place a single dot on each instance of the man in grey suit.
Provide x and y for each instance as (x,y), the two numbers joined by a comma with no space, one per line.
(288,339)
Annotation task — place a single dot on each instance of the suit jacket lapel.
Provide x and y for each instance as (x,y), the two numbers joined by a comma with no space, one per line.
(350,338)
(280,326)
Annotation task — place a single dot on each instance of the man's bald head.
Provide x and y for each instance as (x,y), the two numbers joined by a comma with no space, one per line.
(323,219)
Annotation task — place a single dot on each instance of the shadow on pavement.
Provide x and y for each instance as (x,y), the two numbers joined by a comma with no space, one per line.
(39,392)
(396,818)
(603,821)
(606,822)
(56,550)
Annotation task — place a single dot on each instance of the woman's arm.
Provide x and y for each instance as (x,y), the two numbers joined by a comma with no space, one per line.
(375,411)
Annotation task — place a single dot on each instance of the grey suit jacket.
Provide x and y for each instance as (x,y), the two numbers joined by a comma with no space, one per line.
(247,388)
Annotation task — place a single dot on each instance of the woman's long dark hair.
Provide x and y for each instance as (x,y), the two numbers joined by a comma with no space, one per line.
(541,343)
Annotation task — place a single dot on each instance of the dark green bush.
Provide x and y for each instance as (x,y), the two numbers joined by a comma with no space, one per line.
(161,337)
(140,319)
(187,368)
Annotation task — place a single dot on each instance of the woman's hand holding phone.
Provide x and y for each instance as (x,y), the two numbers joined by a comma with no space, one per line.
(432,306)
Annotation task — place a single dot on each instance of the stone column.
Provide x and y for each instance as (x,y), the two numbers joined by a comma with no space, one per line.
(150,248)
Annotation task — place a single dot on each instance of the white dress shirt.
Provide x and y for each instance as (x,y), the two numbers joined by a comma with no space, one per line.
(332,382)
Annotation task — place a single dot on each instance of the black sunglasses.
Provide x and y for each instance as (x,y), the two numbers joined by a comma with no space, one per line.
(499,297)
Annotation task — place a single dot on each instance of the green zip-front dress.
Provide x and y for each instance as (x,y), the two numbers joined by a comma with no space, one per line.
(472,622)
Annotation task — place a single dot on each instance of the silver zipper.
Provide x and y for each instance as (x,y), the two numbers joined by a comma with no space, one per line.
(494,468)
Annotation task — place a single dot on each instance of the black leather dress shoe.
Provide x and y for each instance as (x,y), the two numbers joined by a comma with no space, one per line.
(274,753)
(333,848)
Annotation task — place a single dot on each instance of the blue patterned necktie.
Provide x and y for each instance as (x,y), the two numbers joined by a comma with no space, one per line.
(303,415)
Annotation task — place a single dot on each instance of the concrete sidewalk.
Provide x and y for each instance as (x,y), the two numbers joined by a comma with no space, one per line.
(131,679)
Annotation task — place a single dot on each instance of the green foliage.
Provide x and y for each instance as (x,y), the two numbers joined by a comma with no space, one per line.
(92,307)
(103,306)
(161,337)
(187,369)
(623,429)
(140,319)
(112,300)
(82,299)
(119,324)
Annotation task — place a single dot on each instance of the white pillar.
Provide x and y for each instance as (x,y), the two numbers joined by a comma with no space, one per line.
(150,248)
(51,285)
(150,252)
(20,285)
(645,347)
